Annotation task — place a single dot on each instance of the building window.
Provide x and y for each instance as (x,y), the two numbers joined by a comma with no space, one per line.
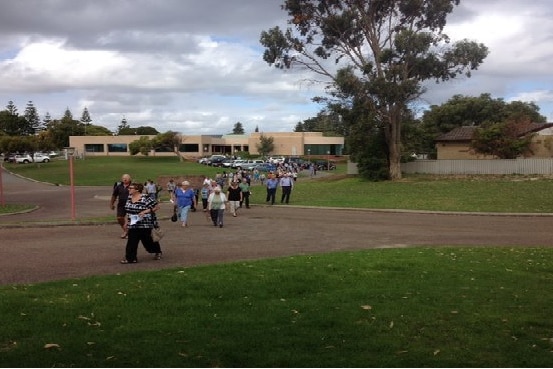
(94,147)
(163,149)
(332,149)
(195,148)
(117,147)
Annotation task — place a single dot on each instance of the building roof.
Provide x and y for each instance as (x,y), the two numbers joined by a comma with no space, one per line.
(466,133)
(458,134)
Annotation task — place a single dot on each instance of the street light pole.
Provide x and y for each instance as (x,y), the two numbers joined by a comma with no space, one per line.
(2,201)
(70,153)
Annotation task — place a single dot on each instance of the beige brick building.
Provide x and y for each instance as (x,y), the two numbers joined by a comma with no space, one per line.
(285,144)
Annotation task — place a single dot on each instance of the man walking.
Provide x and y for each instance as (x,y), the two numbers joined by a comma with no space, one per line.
(120,194)
(286,184)
(272,183)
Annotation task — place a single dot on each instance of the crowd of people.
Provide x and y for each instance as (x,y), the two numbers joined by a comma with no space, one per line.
(136,204)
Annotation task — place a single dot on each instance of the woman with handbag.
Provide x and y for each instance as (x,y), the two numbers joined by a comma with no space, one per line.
(140,221)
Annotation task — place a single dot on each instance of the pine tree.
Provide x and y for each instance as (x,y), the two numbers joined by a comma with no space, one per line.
(32,118)
(85,119)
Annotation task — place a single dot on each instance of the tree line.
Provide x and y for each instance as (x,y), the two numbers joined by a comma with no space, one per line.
(27,132)
(498,123)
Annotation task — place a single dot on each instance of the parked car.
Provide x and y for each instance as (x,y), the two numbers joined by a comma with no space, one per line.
(203,160)
(276,159)
(226,163)
(265,167)
(236,163)
(9,158)
(36,158)
(216,160)
(324,164)
(249,164)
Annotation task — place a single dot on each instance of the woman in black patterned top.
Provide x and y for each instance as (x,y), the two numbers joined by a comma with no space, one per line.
(140,220)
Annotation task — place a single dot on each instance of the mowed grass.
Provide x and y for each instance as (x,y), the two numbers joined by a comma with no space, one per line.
(419,307)
(525,194)
(411,307)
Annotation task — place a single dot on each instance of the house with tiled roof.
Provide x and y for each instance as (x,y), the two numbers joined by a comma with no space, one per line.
(455,144)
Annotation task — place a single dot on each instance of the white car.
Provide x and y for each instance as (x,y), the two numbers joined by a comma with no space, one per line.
(276,160)
(36,158)
(249,164)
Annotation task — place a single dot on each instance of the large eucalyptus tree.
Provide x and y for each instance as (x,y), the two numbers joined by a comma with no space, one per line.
(377,51)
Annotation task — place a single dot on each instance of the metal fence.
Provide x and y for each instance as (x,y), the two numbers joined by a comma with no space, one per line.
(542,166)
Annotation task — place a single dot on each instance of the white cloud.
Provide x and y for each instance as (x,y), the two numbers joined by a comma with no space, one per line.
(196,66)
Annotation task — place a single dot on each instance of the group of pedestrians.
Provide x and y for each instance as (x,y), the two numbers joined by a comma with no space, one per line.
(136,205)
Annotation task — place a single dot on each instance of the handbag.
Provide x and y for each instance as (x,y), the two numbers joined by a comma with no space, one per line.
(175,217)
(157,234)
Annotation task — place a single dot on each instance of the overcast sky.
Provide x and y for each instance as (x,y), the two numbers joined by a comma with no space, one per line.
(196,67)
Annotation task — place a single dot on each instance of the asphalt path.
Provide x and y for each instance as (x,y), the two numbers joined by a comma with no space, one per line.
(33,251)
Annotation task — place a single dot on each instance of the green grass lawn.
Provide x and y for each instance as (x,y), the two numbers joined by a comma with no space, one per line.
(523,194)
(411,307)
(418,307)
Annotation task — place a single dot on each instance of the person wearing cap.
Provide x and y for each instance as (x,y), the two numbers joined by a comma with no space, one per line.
(286,183)
(184,198)
(216,206)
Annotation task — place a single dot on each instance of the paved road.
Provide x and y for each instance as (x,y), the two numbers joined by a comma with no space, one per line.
(41,253)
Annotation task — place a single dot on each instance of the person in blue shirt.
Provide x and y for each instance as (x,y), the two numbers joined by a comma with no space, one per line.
(184,198)
(272,183)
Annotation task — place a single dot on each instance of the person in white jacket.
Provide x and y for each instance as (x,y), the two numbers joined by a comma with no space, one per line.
(216,205)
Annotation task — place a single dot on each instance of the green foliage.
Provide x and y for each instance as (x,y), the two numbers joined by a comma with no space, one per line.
(411,307)
(328,122)
(12,124)
(167,142)
(85,117)
(138,131)
(501,140)
(373,168)
(31,117)
(266,145)
(143,146)
(238,129)
(94,130)
(390,49)
(473,111)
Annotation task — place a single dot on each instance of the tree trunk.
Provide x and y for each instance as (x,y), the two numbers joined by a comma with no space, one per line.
(394,144)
